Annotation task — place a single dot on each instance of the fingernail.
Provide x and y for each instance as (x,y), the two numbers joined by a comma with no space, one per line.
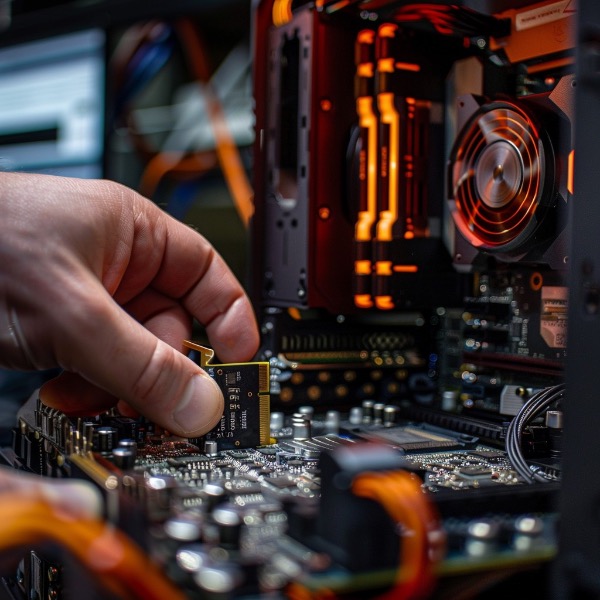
(199,408)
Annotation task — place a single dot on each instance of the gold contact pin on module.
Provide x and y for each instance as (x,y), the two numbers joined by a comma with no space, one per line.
(206,354)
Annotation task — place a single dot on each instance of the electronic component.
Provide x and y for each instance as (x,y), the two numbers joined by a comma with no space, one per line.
(245,386)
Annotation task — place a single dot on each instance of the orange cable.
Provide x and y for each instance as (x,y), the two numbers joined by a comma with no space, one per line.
(227,151)
(113,558)
(423,544)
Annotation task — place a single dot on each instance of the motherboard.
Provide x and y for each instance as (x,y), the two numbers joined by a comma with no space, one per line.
(364,504)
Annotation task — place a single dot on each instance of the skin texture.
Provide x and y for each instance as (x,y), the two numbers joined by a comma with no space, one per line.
(99,281)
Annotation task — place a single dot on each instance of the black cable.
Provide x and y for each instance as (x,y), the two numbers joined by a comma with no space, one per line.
(537,404)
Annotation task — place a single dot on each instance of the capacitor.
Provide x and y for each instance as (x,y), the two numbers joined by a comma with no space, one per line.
(219,580)
(390,415)
(307,410)
(554,422)
(211,448)
(106,439)
(301,426)
(124,458)
(378,409)
(191,558)
(482,537)
(367,411)
(130,444)
(229,525)
(332,421)
(528,531)
(277,422)
(212,495)
(182,529)
(449,400)
(356,415)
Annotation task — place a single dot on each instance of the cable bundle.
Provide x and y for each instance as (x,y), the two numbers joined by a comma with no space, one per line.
(535,406)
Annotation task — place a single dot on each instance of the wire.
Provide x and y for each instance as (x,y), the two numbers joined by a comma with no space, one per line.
(117,563)
(227,151)
(537,404)
(142,53)
(192,165)
(452,19)
(422,542)
(282,12)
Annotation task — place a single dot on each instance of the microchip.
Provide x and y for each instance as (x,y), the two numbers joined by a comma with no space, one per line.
(412,439)
(245,422)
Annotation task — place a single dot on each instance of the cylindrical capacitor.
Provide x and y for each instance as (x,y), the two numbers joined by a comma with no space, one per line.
(528,530)
(356,415)
(212,495)
(378,409)
(130,444)
(211,448)
(367,411)
(301,426)
(332,421)
(106,439)
(277,422)
(124,458)
(229,525)
(554,422)
(307,410)
(390,415)
(482,537)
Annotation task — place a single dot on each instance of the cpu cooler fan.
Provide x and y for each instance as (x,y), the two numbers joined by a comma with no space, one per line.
(509,175)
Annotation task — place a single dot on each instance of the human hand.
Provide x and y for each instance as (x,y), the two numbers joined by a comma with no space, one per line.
(99,281)
(72,498)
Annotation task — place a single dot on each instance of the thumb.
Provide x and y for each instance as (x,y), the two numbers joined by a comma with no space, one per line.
(113,352)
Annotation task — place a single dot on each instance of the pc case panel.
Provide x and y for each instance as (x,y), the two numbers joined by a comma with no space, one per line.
(576,572)
(307,233)
(286,198)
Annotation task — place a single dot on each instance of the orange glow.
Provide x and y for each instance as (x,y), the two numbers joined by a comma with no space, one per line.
(365,70)
(384,302)
(324,213)
(405,268)
(362,267)
(383,267)
(282,12)
(409,235)
(294,313)
(367,120)
(390,117)
(366,36)
(326,104)
(385,65)
(388,30)
(404,66)
(571,172)
(363,301)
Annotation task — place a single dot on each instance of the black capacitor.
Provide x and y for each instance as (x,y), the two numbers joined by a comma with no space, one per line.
(105,439)
(130,444)
(229,524)
(124,458)
(368,411)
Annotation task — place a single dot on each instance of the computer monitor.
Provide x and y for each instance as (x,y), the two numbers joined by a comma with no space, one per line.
(52,104)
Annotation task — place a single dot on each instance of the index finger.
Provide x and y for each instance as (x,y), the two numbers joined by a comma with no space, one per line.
(195,273)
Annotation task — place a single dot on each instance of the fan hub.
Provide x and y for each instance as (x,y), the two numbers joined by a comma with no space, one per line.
(499,174)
